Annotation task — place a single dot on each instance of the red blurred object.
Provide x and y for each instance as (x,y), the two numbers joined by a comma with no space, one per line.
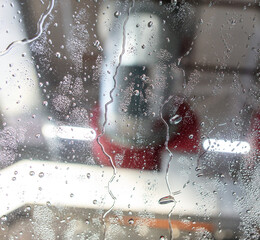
(254,140)
(148,158)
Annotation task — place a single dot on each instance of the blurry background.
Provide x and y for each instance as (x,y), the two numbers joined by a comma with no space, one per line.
(53,90)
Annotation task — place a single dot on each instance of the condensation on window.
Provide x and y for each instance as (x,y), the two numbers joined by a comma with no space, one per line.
(129,119)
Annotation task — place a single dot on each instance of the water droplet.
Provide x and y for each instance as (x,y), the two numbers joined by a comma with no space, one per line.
(41,174)
(198,169)
(175,119)
(96,43)
(166,200)
(48,203)
(37,135)
(174,2)
(31,173)
(163,238)
(144,77)
(191,136)
(27,209)
(131,221)
(94,201)
(4,218)
(13,178)
(57,54)
(143,46)
(136,93)
(233,21)
(199,175)
(45,103)
(71,195)
(117,14)
(150,24)
(87,221)
(88,175)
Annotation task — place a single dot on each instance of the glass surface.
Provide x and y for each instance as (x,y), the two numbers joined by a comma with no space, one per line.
(129,119)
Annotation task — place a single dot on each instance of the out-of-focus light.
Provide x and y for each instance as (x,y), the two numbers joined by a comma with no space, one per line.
(69,132)
(226,146)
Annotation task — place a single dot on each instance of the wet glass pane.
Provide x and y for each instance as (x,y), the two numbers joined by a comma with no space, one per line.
(129,119)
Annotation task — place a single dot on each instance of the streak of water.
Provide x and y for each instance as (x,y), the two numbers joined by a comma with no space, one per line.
(105,121)
(39,30)
(170,198)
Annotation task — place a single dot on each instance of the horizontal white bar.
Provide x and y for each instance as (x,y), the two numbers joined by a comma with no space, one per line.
(69,132)
(226,146)
(83,186)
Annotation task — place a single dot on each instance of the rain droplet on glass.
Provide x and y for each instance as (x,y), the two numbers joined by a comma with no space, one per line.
(4,218)
(150,24)
(163,238)
(117,14)
(199,175)
(136,92)
(131,221)
(57,54)
(41,174)
(166,200)
(176,119)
